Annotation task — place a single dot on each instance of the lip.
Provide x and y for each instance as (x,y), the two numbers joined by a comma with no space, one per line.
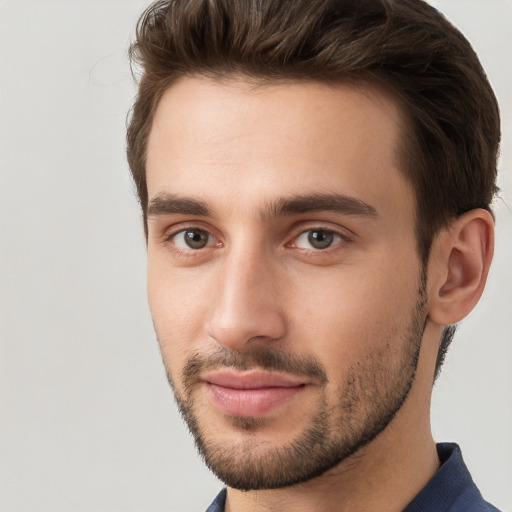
(251,393)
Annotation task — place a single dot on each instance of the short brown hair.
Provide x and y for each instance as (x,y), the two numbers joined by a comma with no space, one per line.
(406,46)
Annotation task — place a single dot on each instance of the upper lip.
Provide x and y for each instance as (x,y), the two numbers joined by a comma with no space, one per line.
(253,379)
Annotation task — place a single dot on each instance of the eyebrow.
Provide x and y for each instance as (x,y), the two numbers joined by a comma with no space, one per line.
(336,203)
(169,204)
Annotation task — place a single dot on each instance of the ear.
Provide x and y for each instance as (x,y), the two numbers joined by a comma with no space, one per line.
(458,267)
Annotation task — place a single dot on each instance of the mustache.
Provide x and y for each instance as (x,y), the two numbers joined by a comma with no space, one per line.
(264,358)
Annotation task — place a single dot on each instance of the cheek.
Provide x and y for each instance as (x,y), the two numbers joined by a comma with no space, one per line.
(178,307)
(345,316)
(176,295)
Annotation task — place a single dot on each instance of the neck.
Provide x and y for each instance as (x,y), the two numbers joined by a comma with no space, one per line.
(387,483)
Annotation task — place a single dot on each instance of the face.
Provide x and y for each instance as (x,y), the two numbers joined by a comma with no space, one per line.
(283,279)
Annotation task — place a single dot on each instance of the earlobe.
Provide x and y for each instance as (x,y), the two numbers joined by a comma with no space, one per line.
(459,267)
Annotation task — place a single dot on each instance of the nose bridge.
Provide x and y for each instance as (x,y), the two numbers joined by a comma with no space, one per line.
(245,305)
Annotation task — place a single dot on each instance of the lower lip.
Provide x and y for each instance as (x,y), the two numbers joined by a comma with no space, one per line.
(250,402)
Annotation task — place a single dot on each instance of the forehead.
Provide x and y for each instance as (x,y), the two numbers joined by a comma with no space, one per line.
(220,140)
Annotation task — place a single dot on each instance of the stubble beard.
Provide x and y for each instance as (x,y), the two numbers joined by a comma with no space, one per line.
(374,391)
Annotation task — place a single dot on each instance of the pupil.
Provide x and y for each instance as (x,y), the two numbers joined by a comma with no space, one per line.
(320,239)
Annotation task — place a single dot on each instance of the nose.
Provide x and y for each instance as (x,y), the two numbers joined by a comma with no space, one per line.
(246,306)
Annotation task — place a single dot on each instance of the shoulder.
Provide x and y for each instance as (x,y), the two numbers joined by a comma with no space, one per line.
(472,501)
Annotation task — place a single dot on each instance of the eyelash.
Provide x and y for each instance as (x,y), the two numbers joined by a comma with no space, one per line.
(343,239)
(170,237)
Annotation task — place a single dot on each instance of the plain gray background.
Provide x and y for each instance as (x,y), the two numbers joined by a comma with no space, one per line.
(87,422)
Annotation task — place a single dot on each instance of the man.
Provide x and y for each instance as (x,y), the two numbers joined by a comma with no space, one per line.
(315,179)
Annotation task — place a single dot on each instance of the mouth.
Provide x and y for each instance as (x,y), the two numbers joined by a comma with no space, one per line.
(251,393)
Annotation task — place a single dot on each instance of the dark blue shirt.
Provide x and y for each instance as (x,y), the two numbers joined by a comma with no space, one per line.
(451,489)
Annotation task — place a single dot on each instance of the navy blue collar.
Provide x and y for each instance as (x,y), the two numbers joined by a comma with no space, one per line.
(451,489)
(219,502)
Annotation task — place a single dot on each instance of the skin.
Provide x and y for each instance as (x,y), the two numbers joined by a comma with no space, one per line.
(238,149)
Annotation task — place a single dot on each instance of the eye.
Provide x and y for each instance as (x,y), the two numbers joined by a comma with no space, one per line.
(317,239)
(192,239)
